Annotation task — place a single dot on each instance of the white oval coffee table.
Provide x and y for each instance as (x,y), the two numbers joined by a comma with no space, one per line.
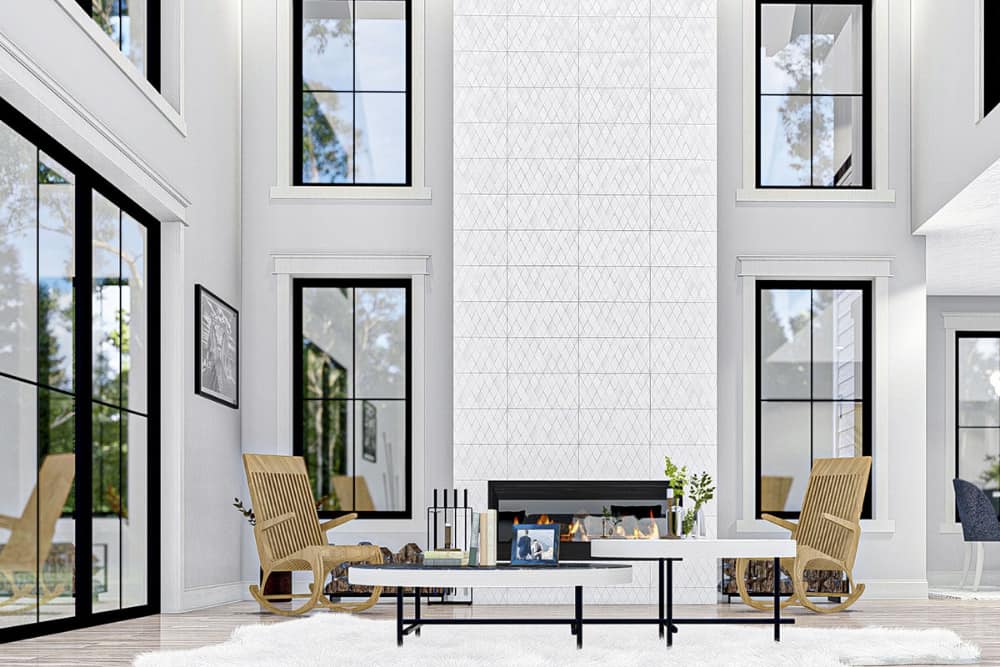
(417,577)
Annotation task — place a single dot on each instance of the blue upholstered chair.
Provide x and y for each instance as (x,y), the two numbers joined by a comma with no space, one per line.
(979,525)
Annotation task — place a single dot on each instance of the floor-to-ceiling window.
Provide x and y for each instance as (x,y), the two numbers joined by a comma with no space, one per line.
(78,397)
(977,423)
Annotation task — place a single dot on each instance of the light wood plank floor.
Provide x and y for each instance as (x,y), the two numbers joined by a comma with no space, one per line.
(119,643)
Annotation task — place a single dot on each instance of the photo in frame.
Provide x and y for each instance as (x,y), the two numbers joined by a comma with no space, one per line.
(369,431)
(535,544)
(216,350)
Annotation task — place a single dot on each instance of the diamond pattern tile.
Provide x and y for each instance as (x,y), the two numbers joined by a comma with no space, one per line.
(585,250)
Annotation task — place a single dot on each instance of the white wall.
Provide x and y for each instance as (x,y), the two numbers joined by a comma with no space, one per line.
(945,548)
(179,168)
(950,147)
(422,227)
(585,250)
(892,561)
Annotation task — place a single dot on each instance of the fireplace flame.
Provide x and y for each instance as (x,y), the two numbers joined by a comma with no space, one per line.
(577,533)
(544,519)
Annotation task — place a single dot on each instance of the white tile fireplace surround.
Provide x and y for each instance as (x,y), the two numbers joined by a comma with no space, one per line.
(585,249)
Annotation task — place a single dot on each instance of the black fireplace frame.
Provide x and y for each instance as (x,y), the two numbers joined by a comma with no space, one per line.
(639,490)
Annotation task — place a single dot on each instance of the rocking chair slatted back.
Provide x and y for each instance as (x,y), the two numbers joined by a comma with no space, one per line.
(836,488)
(283,504)
(32,533)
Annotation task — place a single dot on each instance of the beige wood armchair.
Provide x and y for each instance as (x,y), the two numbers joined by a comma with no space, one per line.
(826,535)
(290,537)
(30,539)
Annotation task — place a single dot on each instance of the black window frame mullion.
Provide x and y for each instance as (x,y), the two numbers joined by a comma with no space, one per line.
(299,400)
(957,426)
(867,157)
(866,401)
(298,92)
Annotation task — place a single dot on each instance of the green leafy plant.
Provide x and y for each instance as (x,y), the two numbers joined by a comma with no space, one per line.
(676,477)
(702,489)
(247,512)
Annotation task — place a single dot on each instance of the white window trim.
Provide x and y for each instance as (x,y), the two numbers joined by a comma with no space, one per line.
(750,269)
(880,192)
(979,41)
(955,322)
(283,188)
(287,267)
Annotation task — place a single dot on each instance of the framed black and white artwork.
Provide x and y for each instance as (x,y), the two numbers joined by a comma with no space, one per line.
(369,432)
(217,348)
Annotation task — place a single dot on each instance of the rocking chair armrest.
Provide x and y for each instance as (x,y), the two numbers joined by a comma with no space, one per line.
(783,523)
(843,523)
(7,522)
(339,521)
(271,523)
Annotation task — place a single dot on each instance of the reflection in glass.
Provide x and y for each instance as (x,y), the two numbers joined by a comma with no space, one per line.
(134,512)
(133,319)
(327,137)
(107,301)
(785,140)
(327,45)
(785,452)
(978,382)
(56,224)
(381,45)
(380,342)
(784,49)
(124,21)
(785,343)
(838,344)
(837,141)
(380,136)
(837,34)
(380,455)
(838,429)
(18,254)
(56,449)
(107,497)
(979,457)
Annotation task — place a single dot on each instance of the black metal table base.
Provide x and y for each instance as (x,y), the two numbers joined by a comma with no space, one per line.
(665,620)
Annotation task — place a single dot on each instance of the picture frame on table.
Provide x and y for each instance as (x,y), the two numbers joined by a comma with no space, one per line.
(216,349)
(534,544)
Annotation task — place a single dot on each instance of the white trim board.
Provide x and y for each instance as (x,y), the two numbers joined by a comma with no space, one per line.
(288,266)
(878,269)
(283,188)
(880,192)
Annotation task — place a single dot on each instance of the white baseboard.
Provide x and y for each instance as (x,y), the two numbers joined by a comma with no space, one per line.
(952,577)
(895,589)
(201,597)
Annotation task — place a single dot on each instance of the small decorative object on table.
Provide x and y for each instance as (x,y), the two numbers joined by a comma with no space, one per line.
(535,544)
(702,489)
(452,518)
(676,479)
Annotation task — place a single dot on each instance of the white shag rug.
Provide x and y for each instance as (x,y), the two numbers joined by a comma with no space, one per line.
(334,639)
(984,593)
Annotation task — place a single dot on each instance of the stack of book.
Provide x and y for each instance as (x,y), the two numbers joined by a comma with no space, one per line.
(484,539)
(446,558)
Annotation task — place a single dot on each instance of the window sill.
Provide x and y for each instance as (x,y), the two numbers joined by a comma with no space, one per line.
(868,527)
(950,528)
(795,195)
(348,193)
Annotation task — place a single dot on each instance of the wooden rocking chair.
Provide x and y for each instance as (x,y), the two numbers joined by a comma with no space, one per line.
(826,535)
(290,537)
(31,536)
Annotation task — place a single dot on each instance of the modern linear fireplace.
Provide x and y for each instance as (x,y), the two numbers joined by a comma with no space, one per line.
(585,510)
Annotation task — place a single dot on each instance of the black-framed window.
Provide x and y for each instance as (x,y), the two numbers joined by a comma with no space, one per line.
(80,403)
(991,56)
(351,92)
(134,27)
(813,384)
(814,94)
(352,386)
(977,411)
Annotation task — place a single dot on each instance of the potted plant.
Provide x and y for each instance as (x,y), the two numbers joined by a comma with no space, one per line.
(676,480)
(701,490)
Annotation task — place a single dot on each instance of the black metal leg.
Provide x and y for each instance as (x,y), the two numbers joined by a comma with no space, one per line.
(416,609)
(777,599)
(579,617)
(399,615)
(670,603)
(661,599)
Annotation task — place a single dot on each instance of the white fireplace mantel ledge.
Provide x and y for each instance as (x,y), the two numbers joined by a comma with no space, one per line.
(759,526)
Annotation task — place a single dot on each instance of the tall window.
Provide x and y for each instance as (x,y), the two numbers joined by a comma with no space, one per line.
(352,402)
(813,384)
(134,27)
(991,56)
(78,392)
(977,423)
(351,101)
(814,94)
